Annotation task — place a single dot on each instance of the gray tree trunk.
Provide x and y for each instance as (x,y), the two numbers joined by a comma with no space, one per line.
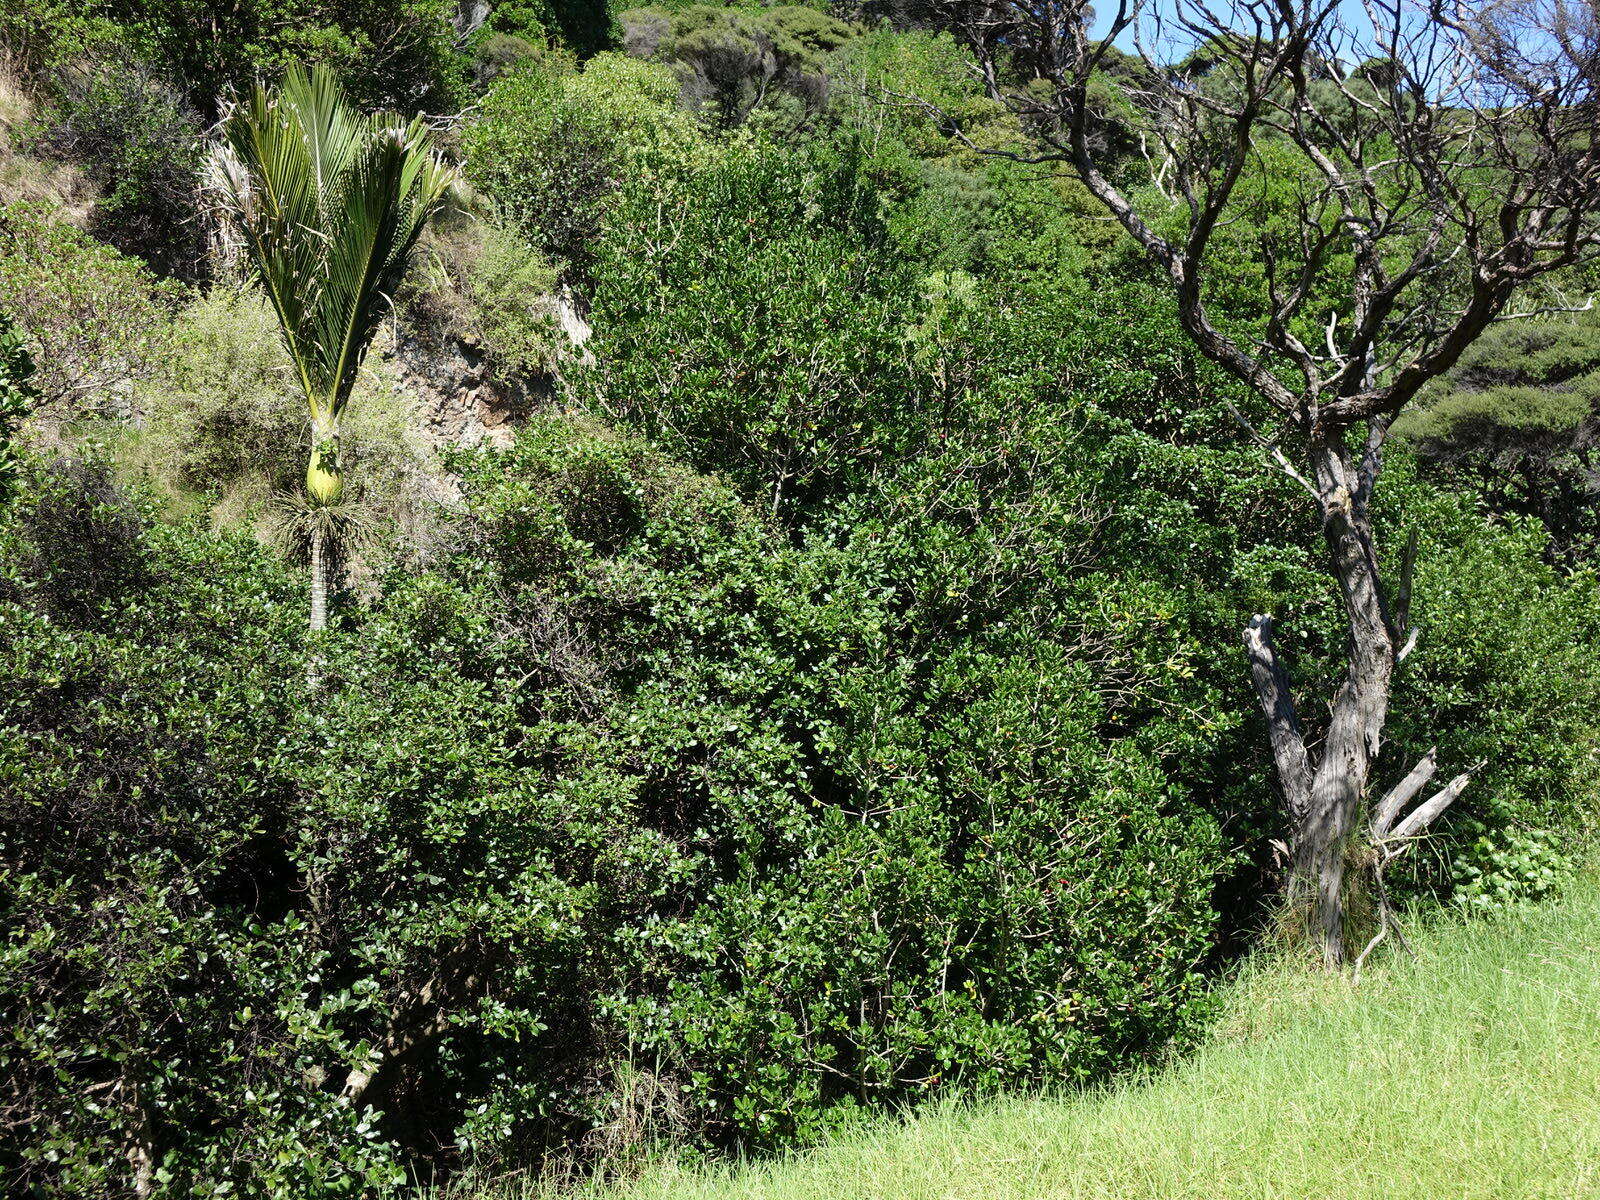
(1325,799)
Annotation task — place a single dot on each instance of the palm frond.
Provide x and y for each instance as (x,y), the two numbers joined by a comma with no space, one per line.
(291,522)
(330,204)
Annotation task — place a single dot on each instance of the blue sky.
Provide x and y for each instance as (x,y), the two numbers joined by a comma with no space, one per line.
(1352,12)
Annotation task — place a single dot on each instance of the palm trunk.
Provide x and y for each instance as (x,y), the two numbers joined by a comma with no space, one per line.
(325,486)
(319,579)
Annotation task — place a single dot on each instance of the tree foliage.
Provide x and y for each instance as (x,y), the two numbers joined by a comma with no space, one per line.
(329,205)
(1518,419)
(399,53)
(828,699)
(553,148)
(96,320)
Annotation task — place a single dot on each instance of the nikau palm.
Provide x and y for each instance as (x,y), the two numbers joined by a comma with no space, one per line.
(329,203)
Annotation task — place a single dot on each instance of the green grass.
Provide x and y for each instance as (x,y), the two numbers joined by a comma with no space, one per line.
(1472,1071)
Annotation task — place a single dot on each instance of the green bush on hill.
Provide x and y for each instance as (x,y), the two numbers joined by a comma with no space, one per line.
(1517,420)
(140,143)
(551,148)
(96,320)
(833,700)
(569,804)
(394,53)
(218,430)
(1465,1071)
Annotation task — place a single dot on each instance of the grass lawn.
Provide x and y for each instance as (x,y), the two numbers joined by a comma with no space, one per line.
(1471,1072)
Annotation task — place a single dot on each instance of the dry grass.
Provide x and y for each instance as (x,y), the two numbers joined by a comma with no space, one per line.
(26,179)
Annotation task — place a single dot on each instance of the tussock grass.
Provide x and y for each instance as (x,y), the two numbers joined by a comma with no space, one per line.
(1469,1073)
(24,177)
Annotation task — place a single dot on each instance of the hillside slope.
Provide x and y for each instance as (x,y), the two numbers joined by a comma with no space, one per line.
(1471,1072)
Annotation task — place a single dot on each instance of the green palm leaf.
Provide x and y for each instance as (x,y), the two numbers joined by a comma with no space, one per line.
(329,203)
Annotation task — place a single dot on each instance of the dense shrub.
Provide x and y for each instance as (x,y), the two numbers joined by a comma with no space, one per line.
(135,137)
(733,59)
(145,793)
(583,800)
(552,147)
(393,53)
(1517,420)
(751,362)
(484,285)
(757,323)
(1503,676)
(585,27)
(638,814)
(17,397)
(95,319)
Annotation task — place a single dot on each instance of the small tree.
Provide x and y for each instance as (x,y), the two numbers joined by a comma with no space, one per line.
(329,203)
(1455,168)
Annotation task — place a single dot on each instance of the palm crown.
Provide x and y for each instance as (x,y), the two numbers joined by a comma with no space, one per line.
(330,203)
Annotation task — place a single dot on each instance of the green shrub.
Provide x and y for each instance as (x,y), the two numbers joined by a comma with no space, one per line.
(584,799)
(484,285)
(640,813)
(552,147)
(95,320)
(511,286)
(400,54)
(833,382)
(1517,420)
(157,995)
(1513,866)
(1504,676)
(733,59)
(584,27)
(756,323)
(17,398)
(135,137)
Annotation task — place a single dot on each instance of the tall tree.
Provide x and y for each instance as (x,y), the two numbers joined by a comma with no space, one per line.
(1423,191)
(329,203)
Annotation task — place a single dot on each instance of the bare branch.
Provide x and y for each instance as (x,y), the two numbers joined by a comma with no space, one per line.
(1283,723)
(1429,810)
(1272,449)
(1403,793)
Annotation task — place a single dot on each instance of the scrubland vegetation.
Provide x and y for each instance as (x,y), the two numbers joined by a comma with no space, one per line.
(684,591)
(1470,1070)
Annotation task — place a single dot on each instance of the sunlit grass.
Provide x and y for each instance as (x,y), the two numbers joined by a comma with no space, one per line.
(1472,1071)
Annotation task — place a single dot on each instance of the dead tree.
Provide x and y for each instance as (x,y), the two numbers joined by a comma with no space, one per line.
(1449,173)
